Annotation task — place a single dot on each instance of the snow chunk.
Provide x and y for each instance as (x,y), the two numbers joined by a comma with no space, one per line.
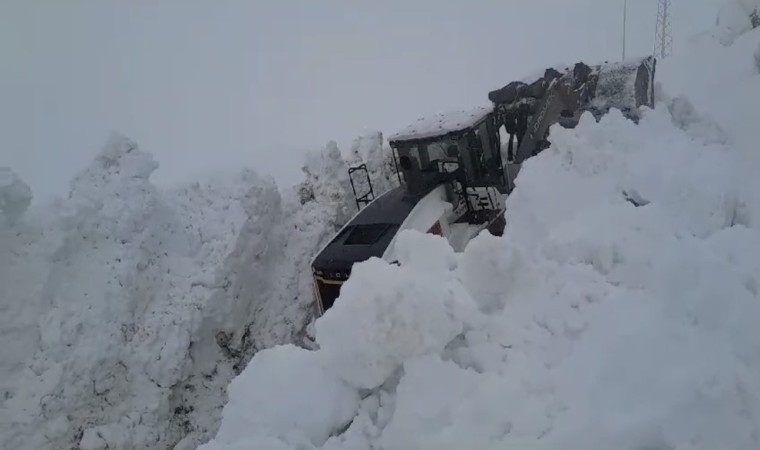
(386,313)
(287,395)
(15,196)
(443,123)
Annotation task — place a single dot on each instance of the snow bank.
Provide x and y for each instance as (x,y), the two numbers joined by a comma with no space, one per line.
(15,196)
(617,311)
(126,310)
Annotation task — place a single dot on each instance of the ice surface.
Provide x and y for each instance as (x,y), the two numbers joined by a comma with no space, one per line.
(441,124)
(617,311)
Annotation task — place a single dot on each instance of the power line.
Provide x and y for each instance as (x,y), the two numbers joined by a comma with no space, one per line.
(663,35)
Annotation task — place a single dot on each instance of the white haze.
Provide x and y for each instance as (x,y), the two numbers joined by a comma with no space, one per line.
(238,83)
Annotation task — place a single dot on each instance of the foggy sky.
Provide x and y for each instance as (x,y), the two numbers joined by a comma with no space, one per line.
(219,85)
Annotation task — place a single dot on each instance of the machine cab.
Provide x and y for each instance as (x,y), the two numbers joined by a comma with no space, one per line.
(465,143)
(452,183)
(461,148)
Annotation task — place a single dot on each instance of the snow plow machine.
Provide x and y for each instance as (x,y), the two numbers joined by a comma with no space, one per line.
(455,173)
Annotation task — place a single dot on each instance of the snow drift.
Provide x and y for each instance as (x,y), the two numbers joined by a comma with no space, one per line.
(126,310)
(619,309)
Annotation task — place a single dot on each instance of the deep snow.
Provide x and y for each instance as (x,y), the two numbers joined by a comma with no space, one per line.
(619,310)
(125,310)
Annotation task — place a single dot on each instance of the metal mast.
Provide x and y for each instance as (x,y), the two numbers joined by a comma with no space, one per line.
(663,36)
(625,20)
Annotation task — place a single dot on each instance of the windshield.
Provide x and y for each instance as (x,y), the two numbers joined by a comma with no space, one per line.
(420,156)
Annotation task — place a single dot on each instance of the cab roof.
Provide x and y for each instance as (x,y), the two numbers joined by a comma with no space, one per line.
(442,124)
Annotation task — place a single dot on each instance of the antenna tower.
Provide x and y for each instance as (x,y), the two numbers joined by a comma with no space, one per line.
(663,36)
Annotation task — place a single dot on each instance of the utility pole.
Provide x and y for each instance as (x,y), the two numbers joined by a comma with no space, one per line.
(663,35)
(625,22)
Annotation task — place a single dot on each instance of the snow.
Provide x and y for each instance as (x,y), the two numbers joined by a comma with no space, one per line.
(15,196)
(126,309)
(732,22)
(293,419)
(593,323)
(395,313)
(442,124)
(723,95)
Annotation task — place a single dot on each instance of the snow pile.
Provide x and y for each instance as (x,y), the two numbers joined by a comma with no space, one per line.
(618,310)
(126,310)
(15,196)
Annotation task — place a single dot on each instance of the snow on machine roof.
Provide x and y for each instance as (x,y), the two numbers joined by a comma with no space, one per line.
(442,124)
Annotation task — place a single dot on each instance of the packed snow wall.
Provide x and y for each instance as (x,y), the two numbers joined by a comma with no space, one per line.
(126,309)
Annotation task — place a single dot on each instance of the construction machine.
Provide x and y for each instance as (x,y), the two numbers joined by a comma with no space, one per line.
(455,173)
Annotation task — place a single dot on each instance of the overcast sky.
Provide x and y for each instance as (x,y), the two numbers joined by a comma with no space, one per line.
(223,84)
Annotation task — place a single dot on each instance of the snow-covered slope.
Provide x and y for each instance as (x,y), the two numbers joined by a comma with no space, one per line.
(125,310)
(619,310)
